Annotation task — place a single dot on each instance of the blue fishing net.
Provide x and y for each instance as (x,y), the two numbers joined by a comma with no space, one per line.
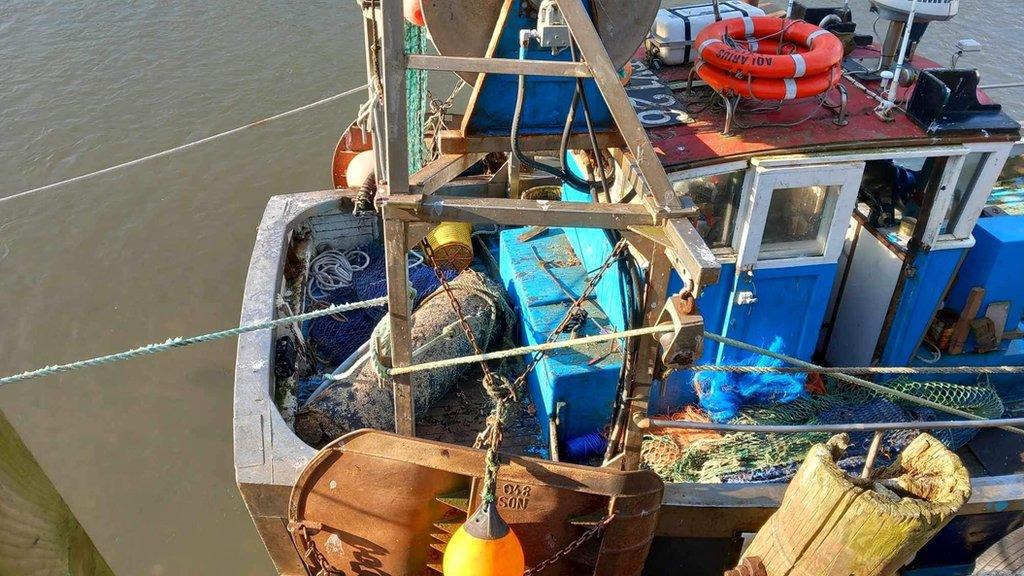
(305,387)
(723,394)
(332,339)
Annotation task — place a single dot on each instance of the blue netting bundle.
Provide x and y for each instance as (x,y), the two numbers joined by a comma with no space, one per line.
(334,338)
(305,387)
(723,394)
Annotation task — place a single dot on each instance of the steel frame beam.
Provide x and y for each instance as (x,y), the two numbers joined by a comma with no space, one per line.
(408,207)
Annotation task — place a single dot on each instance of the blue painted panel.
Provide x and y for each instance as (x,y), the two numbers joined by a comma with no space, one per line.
(921,296)
(593,246)
(791,304)
(547,98)
(566,375)
(994,263)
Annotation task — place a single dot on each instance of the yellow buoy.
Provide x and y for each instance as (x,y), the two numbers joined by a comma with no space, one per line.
(451,244)
(484,546)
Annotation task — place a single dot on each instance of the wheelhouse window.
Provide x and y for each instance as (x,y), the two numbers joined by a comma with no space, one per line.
(717,198)
(798,221)
(974,164)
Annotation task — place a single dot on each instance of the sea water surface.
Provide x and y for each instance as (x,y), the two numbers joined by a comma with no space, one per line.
(142,450)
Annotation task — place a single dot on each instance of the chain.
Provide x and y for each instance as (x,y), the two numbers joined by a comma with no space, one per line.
(314,558)
(577,305)
(571,547)
(436,123)
(489,377)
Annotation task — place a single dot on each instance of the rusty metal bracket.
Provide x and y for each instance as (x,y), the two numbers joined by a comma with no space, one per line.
(685,344)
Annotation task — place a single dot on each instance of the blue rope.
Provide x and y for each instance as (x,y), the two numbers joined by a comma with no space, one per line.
(183,342)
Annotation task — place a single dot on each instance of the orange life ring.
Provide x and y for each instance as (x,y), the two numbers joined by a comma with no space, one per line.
(823,49)
(767,88)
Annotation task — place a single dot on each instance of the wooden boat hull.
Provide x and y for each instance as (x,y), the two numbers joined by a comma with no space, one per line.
(698,527)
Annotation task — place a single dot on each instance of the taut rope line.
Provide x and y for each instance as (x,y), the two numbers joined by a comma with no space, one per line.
(188,145)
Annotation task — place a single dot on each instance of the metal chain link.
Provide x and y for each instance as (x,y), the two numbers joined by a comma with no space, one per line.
(588,289)
(489,377)
(571,547)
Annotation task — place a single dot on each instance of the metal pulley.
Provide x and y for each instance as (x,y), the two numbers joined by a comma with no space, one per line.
(685,344)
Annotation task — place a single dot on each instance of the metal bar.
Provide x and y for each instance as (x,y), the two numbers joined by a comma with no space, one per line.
(440,208)
(400,322)
(457,142)
(499,66)
(998,86)
(700,265)
(439,172)
(395,127)
(658,193)
(658,275)
(853,380)
(649,423)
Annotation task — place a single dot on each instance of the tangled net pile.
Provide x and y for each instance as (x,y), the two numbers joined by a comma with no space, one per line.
(335,338)
(698,456)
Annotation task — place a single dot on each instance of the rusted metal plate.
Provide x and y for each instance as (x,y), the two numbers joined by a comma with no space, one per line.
(375,502)
(464,27)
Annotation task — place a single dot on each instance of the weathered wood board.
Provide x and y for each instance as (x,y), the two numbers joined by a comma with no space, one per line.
(38,533)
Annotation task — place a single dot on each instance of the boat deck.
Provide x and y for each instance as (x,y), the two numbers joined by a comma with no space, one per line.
(700,141)
(996,452)
(462,414)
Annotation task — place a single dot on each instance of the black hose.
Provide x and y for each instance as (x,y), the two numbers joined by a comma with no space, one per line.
(517,119)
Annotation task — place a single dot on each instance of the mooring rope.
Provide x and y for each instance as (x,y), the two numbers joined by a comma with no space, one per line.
(841,373)
(188,145)
(172,343)
(878,388)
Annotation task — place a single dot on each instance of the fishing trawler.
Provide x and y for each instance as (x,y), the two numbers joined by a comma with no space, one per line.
(651,233)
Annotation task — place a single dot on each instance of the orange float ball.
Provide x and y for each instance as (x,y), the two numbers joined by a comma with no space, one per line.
(484,546)
(414,12)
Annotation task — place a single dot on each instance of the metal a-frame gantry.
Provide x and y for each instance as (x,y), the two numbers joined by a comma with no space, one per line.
(657,226)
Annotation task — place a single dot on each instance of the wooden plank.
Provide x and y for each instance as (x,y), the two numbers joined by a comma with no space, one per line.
(38,533)
(395,97)
(442,171)
(400,320)
(499,66)
(963,324)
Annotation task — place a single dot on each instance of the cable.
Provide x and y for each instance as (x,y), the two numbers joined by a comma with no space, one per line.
(188,145)
(517,119)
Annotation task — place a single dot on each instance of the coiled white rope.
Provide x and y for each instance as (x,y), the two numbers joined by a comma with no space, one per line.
(188,145)
(333,269)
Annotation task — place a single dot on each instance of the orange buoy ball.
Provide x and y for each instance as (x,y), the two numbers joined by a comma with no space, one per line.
(360,168)
(484,546)
(414,12)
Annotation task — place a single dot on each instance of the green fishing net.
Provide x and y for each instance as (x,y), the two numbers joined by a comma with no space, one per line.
(755,457)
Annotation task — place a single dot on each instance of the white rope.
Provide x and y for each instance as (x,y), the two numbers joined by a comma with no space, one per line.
(188,145)
(333,269)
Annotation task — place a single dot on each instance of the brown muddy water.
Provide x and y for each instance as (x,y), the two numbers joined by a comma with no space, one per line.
(142,450)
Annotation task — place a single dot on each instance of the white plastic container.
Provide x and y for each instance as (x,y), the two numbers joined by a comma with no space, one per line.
(671,39)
